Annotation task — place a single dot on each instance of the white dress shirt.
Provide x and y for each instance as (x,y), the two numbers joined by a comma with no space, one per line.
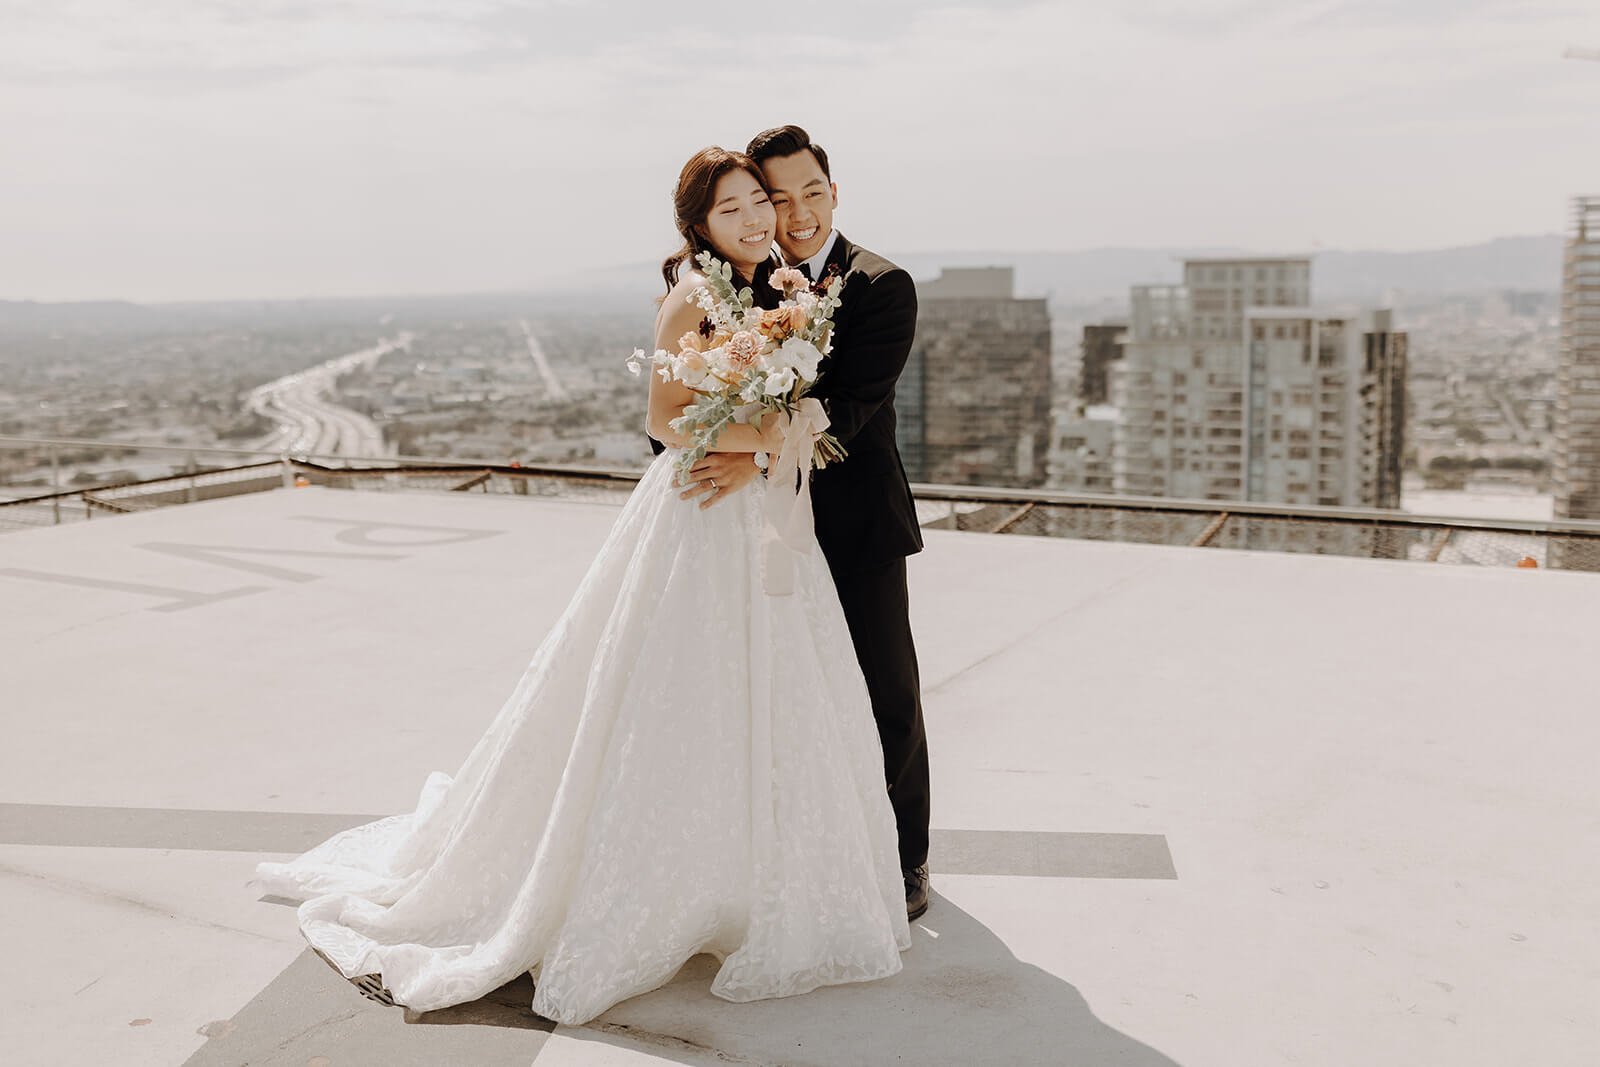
(816,262)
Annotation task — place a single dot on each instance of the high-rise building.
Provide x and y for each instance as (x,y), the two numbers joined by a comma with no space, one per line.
(1080,456)
(1102,346)
(1577,414)
(1233,387)
(974,399)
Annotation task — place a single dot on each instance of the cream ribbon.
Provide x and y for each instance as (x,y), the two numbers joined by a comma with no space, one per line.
(788,529)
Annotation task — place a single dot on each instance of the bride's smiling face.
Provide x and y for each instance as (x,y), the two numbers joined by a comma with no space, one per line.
(742,221)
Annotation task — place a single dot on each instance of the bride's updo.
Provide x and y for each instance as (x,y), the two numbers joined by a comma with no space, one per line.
(691,206)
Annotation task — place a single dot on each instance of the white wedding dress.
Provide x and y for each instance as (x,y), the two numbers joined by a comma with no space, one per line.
(686,765)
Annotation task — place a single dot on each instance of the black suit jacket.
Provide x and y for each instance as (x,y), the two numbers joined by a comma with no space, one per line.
(865,514)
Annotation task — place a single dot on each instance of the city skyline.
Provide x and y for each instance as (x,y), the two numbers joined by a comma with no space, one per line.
(282,151)
(1239,385)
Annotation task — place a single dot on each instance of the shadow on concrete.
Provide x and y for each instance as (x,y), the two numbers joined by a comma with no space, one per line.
(508,1006)
(310,1014)
(962,999)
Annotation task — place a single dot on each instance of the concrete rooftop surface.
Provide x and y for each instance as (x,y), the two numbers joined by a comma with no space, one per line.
(1191,806)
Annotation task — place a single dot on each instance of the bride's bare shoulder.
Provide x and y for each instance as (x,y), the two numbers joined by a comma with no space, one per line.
(679,310)
(691,280)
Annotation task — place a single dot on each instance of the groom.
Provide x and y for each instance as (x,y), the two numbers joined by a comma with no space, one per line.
(865,519)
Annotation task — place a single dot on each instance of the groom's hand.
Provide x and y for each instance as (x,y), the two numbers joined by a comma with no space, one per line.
(731,471)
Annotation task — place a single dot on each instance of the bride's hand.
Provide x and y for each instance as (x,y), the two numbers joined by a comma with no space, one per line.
(774,427)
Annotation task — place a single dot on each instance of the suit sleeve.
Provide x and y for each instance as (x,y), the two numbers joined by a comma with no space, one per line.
(869,355)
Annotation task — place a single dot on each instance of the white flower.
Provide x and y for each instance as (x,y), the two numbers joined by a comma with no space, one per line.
(690,369)
(716,359)
(779,382)
(801,355)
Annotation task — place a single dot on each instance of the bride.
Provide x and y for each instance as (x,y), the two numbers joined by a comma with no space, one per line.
(687,765)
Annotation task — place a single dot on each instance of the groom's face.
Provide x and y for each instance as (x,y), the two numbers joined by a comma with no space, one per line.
(804,199)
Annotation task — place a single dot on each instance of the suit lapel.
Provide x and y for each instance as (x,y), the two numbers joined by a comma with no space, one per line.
(838,256)
(838,261)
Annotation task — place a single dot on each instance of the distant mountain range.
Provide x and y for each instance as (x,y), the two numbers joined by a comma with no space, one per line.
(1097,274)
(78,314)
(1517,263)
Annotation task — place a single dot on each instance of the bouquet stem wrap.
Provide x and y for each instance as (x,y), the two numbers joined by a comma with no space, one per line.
(788,528)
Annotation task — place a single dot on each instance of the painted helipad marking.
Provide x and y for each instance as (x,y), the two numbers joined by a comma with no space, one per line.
(358,532)
(1024,853)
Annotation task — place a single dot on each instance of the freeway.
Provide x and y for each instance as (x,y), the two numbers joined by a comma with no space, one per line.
(309,421)
(553,384)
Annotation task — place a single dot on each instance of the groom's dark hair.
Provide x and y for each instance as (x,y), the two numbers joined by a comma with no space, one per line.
(786,141)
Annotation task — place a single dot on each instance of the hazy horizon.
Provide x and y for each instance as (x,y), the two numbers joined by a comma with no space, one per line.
(649,273)
(281,150)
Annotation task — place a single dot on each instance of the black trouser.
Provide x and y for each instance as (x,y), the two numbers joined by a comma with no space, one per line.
(877,608)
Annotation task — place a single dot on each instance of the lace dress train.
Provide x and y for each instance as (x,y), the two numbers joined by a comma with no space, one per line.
(686,765)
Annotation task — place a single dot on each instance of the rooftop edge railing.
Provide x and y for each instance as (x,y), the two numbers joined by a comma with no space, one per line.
(1361,532)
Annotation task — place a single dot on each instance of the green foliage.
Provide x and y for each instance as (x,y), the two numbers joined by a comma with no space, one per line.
(704,420)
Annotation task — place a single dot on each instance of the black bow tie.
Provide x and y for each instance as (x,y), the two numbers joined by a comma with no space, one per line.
(805,268)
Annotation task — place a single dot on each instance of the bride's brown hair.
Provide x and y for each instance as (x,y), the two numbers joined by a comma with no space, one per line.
(691,206)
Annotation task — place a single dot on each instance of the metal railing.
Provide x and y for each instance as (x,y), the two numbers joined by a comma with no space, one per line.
(1369,533)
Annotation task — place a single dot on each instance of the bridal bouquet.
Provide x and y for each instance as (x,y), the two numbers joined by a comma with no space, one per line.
(745,361)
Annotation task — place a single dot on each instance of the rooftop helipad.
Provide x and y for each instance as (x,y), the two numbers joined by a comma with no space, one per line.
(1192,807)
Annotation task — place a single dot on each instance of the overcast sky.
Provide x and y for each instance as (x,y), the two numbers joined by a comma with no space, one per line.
(178,149)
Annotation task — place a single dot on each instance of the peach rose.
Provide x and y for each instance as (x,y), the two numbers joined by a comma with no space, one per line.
(775,323)
(691,342)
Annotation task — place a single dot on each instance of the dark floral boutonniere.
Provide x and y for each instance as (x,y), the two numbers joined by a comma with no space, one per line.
(820,286)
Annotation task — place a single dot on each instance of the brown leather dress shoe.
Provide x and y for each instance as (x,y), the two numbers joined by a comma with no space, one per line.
(916,892)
